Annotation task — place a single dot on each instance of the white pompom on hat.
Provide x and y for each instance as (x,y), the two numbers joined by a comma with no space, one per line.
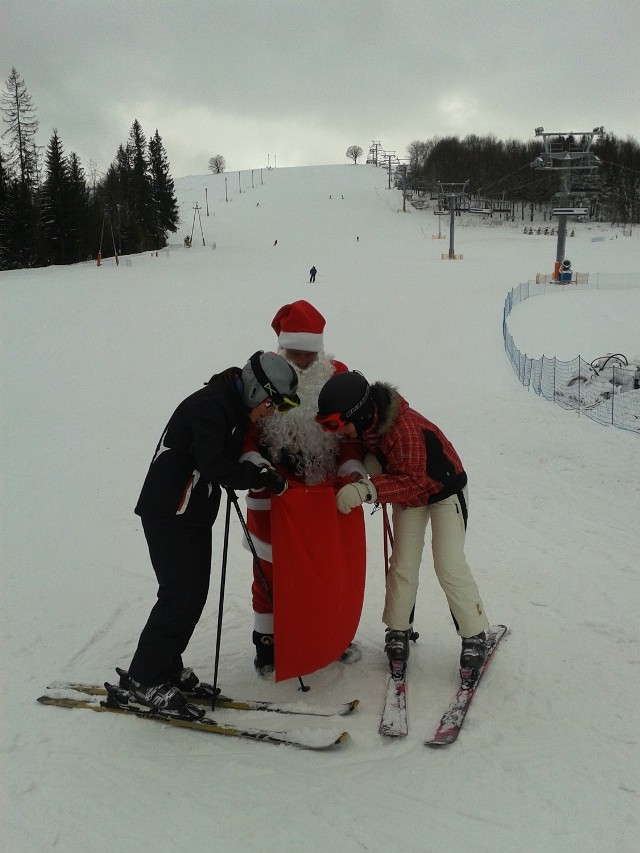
(299,326)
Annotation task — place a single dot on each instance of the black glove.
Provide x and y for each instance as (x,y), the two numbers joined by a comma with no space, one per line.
(270,479)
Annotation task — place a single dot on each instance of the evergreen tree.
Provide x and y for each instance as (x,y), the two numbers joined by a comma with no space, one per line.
(111,210)
(164,200)
(19,231)
(139,197)
(55,201)
(82,220)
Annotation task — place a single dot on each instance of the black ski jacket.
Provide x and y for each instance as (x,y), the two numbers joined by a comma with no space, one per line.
(199,452)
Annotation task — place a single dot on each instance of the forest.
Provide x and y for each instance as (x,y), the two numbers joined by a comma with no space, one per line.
(52,212)
(503,173)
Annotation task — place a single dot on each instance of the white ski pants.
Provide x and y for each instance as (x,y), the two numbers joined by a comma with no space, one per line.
(451,567)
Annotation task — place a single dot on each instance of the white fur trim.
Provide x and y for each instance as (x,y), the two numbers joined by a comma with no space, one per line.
(351,465)
(263,550)
(263,623)
(262,504)
(305,341)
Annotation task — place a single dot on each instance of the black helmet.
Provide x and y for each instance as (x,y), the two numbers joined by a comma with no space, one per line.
(269,375)
(349,395)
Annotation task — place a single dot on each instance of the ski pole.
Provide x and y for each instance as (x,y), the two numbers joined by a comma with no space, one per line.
(388,537)
(256,561)
(388,540)
(223,578)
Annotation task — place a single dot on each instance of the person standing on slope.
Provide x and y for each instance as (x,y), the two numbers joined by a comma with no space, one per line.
(198,453)
(299,450)
(416,469)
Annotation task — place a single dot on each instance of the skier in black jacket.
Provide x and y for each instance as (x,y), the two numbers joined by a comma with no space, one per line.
(197,454)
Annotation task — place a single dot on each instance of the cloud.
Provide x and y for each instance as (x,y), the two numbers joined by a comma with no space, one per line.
(304,79)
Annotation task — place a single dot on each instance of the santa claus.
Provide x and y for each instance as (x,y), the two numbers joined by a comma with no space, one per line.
(299,449)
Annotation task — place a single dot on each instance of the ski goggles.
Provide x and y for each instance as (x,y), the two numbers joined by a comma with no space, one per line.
(332,422)
(281,403)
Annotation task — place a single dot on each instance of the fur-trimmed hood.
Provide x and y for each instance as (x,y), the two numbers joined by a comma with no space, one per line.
(388,402)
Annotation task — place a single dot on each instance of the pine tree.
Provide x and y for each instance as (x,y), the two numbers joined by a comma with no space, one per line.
(164,200)
(19,231)
(82,221)
(111,209)
(55,198)
(139,196)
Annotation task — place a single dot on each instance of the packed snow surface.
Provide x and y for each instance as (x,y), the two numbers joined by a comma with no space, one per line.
(95,359)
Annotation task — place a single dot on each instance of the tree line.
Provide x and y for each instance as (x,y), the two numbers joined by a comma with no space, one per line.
(501,170)
(52,213)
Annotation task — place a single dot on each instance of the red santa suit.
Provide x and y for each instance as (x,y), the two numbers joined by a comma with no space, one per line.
(294,443)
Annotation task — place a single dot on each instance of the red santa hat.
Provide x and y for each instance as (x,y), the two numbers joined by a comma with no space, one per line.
(299,326)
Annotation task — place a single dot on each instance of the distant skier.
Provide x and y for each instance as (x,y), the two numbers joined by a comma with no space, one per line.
(275,242)
(312,275)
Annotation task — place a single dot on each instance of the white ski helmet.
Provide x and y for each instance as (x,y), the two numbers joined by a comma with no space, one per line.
(267,374)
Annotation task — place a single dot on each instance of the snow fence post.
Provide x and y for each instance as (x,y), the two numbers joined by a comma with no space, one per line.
(613,392)
(579,384)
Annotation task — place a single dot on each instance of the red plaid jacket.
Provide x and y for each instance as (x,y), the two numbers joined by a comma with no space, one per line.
(420,465)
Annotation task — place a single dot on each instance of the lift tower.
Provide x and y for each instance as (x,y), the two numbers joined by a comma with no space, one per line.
(451,193)
(566,152)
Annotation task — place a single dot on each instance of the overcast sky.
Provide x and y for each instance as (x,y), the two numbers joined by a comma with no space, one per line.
(298,81)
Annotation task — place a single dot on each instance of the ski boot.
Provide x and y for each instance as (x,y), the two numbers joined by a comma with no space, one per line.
(474,652)
(264,661)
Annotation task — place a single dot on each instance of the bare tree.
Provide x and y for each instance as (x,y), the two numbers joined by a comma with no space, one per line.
(353,152)
(20,117)
(217,164)
(92,171)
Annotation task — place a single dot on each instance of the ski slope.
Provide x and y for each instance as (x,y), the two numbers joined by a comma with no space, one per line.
(94,360)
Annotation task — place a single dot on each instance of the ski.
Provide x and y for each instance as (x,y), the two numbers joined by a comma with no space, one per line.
(203,694)
(451,722)
(393,722)
(192,717)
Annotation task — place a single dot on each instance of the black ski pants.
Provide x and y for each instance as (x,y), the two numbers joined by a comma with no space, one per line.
(181,558)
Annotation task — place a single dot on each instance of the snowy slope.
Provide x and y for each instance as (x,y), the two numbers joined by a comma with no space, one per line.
(93,362)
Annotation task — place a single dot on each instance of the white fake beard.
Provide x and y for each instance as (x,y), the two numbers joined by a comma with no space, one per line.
(297,431)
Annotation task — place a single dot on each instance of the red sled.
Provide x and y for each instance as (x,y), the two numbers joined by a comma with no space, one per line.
(319,558)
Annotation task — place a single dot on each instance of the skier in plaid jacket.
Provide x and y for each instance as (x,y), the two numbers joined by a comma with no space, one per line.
(414,467)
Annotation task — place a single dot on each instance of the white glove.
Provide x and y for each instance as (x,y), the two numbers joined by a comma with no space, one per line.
(353,494)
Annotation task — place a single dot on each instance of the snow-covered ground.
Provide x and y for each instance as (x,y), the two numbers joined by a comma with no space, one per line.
(94,361)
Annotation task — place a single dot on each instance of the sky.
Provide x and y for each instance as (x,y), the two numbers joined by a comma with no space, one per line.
(94,360)
(296,82)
